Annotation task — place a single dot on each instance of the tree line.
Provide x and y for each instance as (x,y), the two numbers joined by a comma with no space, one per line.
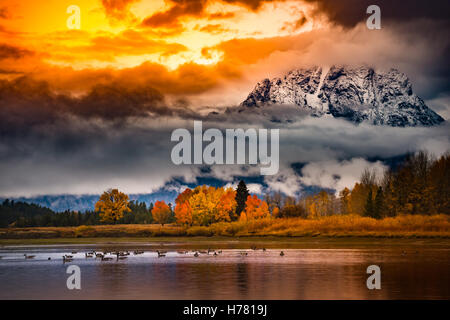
(21,214)
(420,185)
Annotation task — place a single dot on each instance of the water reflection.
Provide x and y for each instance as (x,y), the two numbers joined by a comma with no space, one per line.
(300,274)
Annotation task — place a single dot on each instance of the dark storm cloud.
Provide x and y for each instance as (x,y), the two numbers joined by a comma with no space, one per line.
(117,9)
(348,13)
(179,9)
(4,13)
(118,135)
(27,103)
(193,8)
(77,155)
(11,52)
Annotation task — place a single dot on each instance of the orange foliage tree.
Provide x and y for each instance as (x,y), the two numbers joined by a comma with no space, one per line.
(226,206)
(161,212)
(255,208)
(183,211)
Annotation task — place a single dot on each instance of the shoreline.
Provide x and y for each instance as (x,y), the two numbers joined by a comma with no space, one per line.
(236,242)
(330,230)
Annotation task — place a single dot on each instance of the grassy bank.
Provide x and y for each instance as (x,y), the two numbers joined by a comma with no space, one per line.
(408,226)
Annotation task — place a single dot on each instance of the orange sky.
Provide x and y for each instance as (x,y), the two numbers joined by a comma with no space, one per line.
(122,34)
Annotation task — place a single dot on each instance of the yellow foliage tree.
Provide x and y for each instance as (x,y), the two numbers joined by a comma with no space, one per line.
(205,205)
(200,208)
(111,205)
(345,201)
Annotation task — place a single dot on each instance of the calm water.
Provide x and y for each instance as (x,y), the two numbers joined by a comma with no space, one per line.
(300,274)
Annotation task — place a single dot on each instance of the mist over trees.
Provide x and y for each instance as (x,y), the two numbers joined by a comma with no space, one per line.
(419,186)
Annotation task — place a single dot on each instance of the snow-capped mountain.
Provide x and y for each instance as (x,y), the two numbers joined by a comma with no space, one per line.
(355,93)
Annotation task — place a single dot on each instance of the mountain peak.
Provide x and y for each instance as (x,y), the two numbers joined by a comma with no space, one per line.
(358,94)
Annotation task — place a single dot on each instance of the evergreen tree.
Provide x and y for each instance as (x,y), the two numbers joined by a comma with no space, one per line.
(369,208)
(241,198)
(378,204)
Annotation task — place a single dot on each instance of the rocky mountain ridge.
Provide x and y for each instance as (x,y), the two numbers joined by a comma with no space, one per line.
(358,94)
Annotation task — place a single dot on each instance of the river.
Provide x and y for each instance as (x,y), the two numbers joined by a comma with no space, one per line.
(406,273)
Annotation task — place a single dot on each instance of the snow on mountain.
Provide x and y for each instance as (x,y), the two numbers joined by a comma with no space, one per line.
(354,93)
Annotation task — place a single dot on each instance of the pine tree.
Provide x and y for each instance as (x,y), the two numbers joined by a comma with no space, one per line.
(378,204)
(241,197)
(369,208)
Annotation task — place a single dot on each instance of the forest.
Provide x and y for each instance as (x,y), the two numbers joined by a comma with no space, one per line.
(418,186)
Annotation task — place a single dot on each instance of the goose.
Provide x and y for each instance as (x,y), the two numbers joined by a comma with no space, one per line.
(89,255)
(68,256)
(243,253)
(220,251)
(136,252)
(74,252)
(161,253)
(281,253)
(99,255)
(106,258)
(196,254)
(28,257)
(67,259)
(119,257)
(215,253)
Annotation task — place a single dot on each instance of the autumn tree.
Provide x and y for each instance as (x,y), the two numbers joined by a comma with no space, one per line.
(439,179)
(344,198)
(161,212)
(183,211)
(255,208)
(419,186)
(209,205)
(321,204)
(358,198)
(292,210)
(112,205)
(200,206)
(226,206)
(241,198)
(275,202)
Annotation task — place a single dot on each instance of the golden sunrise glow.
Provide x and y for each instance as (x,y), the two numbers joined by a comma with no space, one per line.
(117,37)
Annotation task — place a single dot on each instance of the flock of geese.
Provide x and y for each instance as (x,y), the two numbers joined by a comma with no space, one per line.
(122,255)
